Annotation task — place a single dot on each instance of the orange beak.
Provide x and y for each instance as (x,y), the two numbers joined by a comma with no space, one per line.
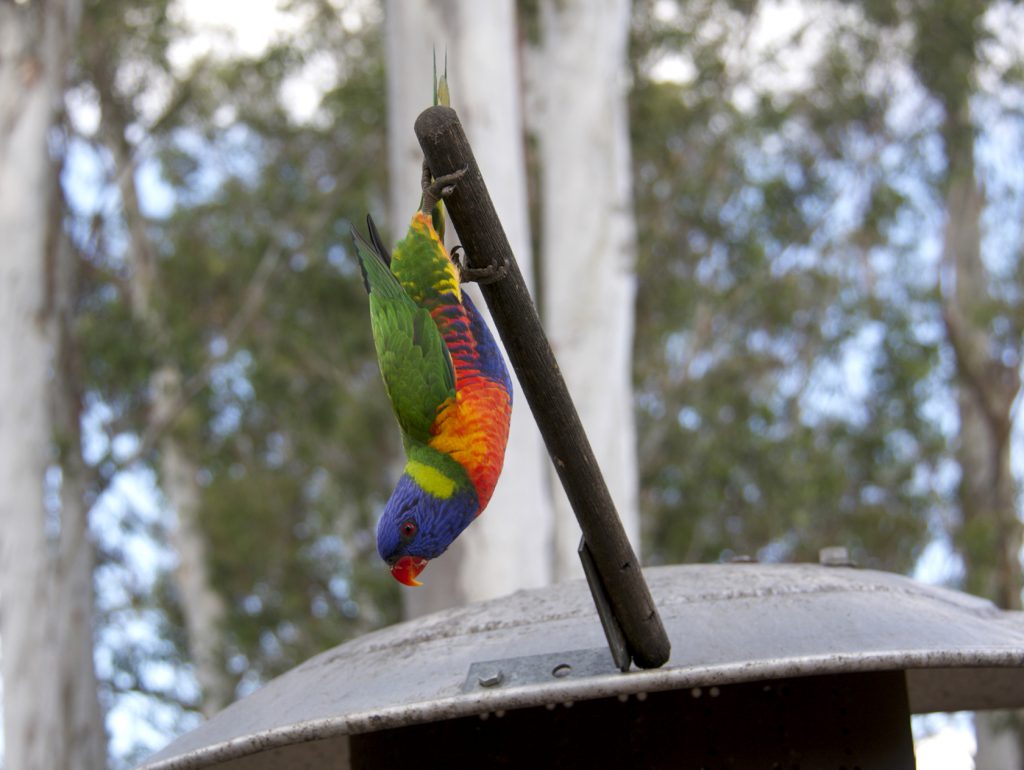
(407,568)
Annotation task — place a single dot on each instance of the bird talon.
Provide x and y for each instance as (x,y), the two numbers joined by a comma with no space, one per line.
(481,275)
(439,188)
(425,177)
(490,274)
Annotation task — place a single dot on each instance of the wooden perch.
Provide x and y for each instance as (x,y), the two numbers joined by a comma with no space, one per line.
(472,213)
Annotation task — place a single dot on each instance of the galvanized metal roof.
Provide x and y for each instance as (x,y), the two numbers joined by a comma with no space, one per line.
(728,623)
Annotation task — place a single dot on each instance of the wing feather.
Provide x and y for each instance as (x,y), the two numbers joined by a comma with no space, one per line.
(414,360)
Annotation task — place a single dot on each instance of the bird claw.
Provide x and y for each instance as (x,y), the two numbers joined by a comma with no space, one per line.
(480,275)
(439,188)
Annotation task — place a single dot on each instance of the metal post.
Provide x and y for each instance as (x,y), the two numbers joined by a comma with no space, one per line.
(447,150)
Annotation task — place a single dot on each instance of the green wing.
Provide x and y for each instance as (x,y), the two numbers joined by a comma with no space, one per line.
(414,360)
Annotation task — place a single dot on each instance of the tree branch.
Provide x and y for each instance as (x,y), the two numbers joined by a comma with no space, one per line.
(995,385)
(255,294)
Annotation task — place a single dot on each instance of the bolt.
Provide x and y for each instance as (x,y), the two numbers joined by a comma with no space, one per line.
(491,679)
(835,556)
(561,670)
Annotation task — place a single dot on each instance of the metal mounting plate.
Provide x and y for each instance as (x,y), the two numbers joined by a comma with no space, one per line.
(538,669)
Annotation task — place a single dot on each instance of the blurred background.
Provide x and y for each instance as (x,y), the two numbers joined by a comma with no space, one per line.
(777,246)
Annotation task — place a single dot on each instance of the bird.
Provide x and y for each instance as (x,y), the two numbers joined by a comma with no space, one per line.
(447,381)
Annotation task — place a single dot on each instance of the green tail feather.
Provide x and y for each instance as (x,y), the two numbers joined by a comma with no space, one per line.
(441,95)
(443,98)
(374,259)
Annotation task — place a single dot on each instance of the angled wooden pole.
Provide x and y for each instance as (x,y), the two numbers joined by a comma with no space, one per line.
(447,150)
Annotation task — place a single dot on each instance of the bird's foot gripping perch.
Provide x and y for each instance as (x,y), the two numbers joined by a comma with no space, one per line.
(493,273)
(435,190)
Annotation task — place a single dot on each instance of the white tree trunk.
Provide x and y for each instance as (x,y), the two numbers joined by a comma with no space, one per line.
(85,743)
(203,608)
(990,532)
(998,747)
(34,43)
(509,547)
(579,114)
(82,719)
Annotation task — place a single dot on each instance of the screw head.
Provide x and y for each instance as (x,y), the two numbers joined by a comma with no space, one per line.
(491,679)
(835,556)
(561,671)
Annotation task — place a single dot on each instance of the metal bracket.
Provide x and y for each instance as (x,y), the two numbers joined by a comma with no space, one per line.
(617,644)
(537,669)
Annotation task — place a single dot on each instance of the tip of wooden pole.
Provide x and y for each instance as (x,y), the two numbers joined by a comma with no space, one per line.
(434,120)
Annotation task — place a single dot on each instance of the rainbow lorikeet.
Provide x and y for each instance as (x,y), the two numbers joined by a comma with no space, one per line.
(447,382)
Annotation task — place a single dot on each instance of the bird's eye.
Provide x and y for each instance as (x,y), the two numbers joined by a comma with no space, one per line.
(408,528)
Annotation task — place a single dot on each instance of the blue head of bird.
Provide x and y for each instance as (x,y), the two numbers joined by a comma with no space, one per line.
(418,526)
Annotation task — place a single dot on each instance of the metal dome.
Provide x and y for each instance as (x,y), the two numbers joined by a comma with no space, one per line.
(728,624)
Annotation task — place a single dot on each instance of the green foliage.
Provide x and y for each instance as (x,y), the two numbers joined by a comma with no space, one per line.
(784,364)
(945,52)
(292,440)
(259,301)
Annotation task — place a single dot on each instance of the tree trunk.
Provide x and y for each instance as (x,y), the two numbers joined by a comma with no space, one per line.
(990,533)
(579,115)
(51,712)
(989,536)
(996,734)
(82,715)
(203,608)
(509,547)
